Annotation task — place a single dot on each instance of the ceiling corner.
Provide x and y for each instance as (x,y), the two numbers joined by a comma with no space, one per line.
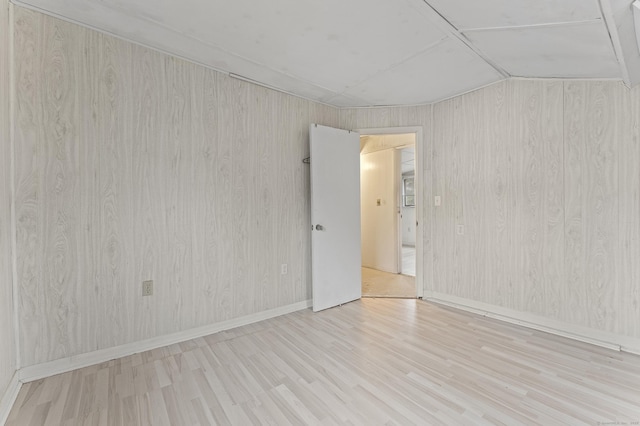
(618,18)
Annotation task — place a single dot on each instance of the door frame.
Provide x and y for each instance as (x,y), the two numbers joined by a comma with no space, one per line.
(419,189)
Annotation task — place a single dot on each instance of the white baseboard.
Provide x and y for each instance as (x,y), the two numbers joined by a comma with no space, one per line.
(537,322)
(9,398)
(47,369)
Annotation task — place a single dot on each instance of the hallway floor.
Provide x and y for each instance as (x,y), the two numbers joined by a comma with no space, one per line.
(384,284)
(409,261)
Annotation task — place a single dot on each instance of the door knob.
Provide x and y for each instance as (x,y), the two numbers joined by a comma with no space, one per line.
(319,228)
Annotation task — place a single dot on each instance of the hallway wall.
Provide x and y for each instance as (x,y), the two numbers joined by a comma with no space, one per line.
(379,180)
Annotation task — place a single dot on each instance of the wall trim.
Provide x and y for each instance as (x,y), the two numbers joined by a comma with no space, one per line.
(9,398)
(47,369)
(560,328)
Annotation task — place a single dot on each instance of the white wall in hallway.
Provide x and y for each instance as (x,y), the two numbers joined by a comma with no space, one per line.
(379,181)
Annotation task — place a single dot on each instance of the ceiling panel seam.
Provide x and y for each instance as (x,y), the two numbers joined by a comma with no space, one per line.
(610,25)
(531,26)
(395,65)
(457,35)
(523,51)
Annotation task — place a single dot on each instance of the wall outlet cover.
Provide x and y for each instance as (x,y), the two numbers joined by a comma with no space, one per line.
(147,288)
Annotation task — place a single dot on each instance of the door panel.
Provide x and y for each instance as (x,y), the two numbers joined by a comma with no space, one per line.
(335,216)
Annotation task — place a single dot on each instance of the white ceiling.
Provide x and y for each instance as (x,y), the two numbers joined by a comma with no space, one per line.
(382,52)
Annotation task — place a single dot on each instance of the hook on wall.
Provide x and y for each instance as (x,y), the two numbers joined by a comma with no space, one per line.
(307,160)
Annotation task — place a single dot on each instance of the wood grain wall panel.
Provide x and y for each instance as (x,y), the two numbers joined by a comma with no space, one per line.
(462,167)
(629,211)
(133,165)
(148,202)
(263,168)
(104,244)
(293,234)
(499,173)
(552,176)
(575,228)
(544,176)
(593,116)
(364,118)
(7,349)
(237,115)
(528,141)
(537,120)
(555,199)
(48,183)
(323,115)
(225,202)
(28,130)
(442,220)
(205,242)
(367,118)
(176,282)
(452,201)
(470,160)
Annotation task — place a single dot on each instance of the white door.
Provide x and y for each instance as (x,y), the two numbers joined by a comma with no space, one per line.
(335,216)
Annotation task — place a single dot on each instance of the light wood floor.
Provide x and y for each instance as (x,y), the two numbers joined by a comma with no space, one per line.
(374,361)
(384,284)
(409,261)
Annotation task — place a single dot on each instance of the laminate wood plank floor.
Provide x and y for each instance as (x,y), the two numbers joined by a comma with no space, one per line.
(373,361)
(384,284)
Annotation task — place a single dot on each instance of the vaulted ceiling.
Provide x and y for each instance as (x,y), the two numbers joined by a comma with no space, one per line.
(382,52)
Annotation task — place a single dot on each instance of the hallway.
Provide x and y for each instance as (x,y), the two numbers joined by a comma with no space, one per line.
(384,284)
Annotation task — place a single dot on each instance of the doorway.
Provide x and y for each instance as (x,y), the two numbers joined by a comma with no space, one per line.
(389,202)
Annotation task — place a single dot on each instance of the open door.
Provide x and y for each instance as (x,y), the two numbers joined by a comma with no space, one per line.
(335,216)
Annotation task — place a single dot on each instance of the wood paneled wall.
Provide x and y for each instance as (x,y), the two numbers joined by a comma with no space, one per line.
(132,165)
(7,347)
(498,165)
(545,178)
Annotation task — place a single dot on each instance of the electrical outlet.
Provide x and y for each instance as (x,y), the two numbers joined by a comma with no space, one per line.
(460,229)
(147,288)
(437,201)
(284,269)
